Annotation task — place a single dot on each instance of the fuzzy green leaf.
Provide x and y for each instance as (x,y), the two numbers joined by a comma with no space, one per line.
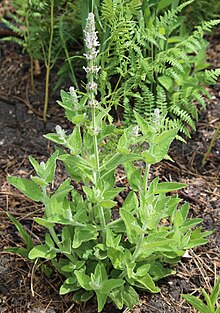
(83,234)
(83,279)
(28,187)
(168,186)
(42,251)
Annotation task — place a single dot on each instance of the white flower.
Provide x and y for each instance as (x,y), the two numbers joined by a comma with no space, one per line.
(93,104)
(61,132)
(92,69)
(73,95)
(91,86)
(91,38)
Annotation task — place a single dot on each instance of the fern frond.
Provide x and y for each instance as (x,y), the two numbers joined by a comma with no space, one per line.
(206,26)
(19,41)
(134,6)
(128,116)
(145,105)
(170,16)
(183,115)
(16,29)
(108,11)
(211,76)
(200,99)
(161,101)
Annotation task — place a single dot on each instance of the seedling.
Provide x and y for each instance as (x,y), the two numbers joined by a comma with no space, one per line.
(211,300)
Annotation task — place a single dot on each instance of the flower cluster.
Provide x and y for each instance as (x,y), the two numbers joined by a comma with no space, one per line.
(91,39)
(91,43)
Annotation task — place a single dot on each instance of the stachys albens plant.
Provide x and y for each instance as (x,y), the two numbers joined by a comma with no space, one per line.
(99,256)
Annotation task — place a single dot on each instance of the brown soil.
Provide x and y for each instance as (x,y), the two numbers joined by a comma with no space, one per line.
(23,288)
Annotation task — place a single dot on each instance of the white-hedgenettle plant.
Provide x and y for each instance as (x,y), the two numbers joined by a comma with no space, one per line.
(100,256)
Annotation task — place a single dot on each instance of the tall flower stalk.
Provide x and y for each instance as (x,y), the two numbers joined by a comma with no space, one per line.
(91,44)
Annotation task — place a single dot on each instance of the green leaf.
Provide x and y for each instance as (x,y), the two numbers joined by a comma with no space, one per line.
(54,138)
(83,234)
(18,250)
(125,295)
(116,255)
(215,292)
(178,219)
(131,202)
(208,301)
(63,190)
(42,251)
(38,169)
(189,223)
(143,269)
(49,241)
(43,222)
(130,222)
(108,285)
(66,240)
(82,295)
(197,303)
(77,167)
(163,4)
(145,127)
(83,279)
(101,299)
(147,282)
(28,187)
(184,210)
(27,239)
(161,144)
(149,158)
(39,181)
(168,187)
(107,204)
(69,285)
(166,82)
(100,273)
(133,175)
(158,245)
(89,193)
(166,136)
(75,141)
(50,167)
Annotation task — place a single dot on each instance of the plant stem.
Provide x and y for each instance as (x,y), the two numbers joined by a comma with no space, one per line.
(103,223)
(211,144)
(48,62)
(59,245)
(145,188)
(32,74)
(146,175)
